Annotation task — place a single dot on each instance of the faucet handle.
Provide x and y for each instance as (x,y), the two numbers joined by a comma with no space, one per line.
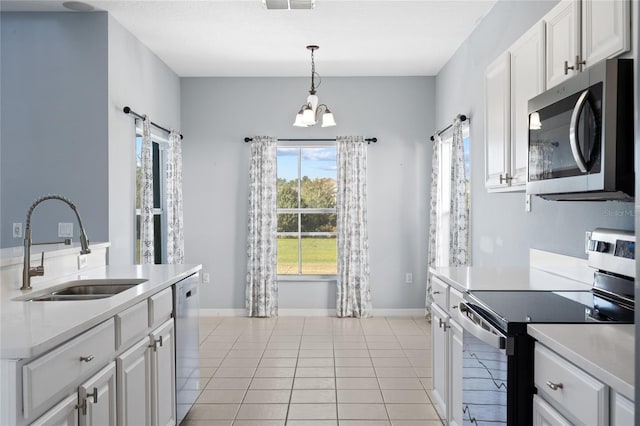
(38,271)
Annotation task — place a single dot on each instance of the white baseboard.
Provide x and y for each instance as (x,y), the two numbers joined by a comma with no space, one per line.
(311,312)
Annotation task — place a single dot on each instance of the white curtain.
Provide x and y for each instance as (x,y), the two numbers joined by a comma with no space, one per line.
(354,295)
(146,199)
(262,285)
(433,218)
(459,217)
(449,214)
(173,199)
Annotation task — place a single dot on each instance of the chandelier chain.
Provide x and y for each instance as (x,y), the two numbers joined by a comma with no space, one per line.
(313,73)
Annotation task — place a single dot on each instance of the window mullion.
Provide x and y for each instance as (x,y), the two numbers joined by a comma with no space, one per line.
(299,212)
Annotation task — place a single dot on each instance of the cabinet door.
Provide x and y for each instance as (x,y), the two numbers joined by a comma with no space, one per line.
(562,29)
(606,29)
(496,94)
(163,376)
(134,385)
(97,398)
(622,410)
(527,81)
(439,353)
(546,415)
(63,414)
(455,373)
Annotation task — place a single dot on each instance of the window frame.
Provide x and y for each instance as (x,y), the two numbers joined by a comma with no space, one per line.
(161,141)
(300,277)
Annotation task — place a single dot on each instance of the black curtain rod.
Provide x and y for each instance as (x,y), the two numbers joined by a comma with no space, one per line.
(128,110)
(462,117)
(368,140)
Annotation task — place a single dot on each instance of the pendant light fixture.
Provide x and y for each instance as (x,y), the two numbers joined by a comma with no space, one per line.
(308,114)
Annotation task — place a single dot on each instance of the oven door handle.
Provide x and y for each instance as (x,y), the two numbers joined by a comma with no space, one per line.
(574,139)
(497,341)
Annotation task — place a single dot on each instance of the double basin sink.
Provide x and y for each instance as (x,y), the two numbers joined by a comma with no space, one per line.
(89,289)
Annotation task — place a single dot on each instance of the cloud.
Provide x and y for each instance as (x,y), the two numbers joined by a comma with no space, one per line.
(328,154)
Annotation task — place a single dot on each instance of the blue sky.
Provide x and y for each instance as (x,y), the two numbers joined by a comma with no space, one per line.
(316,162)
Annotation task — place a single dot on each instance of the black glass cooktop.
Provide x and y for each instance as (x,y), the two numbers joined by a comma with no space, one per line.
(505,308)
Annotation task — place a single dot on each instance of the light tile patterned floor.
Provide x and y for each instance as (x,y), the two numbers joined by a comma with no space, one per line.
(314,371)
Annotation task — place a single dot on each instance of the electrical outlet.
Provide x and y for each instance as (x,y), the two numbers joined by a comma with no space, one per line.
(408,278)
(17,230)
(205,278)
(82,261)
(65,230)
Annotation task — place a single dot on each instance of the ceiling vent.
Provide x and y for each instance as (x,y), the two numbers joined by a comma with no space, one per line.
(289,4)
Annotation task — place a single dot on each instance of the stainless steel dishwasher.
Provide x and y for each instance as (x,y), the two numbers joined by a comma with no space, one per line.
(187,305)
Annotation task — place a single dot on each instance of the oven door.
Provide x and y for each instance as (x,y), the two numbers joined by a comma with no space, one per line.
(484,371)
(565,142)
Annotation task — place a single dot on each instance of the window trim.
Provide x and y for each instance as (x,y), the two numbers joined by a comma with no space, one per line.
(300,277)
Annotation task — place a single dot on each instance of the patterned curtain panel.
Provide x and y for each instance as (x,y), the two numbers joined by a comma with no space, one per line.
(459,221)
(433,220)
(146,199)
(173,197)
(262,285)
(354,295)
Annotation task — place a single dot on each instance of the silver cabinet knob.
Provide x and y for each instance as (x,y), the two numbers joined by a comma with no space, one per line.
(554,386)
(86,358)
(155,344)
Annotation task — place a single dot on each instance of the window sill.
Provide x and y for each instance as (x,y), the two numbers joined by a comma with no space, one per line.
(307,278)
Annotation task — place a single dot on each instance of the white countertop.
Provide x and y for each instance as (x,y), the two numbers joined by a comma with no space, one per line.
(13,255)
(469,278)
(28,329)
(606,351)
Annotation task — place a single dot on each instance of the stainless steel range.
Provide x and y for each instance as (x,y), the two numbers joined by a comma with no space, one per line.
(497,352)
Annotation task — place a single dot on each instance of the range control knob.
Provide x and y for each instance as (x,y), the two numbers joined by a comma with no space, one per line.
(599,246)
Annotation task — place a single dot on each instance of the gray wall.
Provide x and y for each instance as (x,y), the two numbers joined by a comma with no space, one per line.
(217,113)
(54,127)
(502,232)
(140,80)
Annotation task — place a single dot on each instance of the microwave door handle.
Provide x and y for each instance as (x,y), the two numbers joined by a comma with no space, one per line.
(573,132)
(494,340)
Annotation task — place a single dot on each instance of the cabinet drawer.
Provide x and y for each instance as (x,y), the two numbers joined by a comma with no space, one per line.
(455,297)
(160,307)
(132,323)
(582,396)
(439,290)
(59,369)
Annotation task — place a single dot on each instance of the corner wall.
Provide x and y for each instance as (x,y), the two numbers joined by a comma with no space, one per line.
(217,113)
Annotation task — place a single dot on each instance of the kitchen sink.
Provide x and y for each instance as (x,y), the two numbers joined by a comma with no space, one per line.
(89,289)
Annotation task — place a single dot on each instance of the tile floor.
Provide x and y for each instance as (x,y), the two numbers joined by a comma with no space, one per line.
(314,371)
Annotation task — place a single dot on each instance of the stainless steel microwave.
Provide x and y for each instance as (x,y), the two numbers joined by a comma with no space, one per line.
(581,136)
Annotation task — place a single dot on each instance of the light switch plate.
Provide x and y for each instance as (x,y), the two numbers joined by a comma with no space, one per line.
(17,230)
(65,230)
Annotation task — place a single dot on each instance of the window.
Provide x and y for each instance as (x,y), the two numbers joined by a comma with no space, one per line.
(158,202)
(307,211)
(444,189)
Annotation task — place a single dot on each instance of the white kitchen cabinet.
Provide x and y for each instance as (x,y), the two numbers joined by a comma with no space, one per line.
(439,348)
(455,373)
(527,80)
(622,410)
(545,415)
(581,33)
(510,81)
(97,398)
(497,129)
(163,375)
(134,385)
(63,414)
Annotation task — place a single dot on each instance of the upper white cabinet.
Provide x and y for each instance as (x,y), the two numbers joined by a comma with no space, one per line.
(580,33)
(497,130)
(510,81)
(527,81)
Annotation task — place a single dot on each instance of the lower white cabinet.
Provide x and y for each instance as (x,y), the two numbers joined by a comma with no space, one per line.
(97,398)
(439,346)
(63,414)
(545,415)
(134,385)
(163,375)
(455,373)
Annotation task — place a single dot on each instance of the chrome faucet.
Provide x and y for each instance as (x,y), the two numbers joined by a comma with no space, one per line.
(28,271)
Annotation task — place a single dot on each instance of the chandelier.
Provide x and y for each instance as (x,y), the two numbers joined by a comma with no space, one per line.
(308,114)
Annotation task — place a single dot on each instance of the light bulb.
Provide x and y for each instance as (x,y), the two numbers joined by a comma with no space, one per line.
(327,119)
(308,116)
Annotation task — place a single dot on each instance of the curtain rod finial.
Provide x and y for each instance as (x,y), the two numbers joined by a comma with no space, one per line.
(126,110)
(246,140)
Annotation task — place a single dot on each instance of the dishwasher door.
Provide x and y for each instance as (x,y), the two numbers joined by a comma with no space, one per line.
(187,307)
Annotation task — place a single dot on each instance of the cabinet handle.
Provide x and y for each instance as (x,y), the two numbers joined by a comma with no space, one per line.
(83,406)
(554,386)
(155,344)
(436,292)
(442,324)
(506,178)
(567,67)
(454,306)
(579,63)
(86,358)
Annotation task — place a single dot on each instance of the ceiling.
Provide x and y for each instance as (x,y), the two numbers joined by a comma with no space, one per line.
(243,38)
